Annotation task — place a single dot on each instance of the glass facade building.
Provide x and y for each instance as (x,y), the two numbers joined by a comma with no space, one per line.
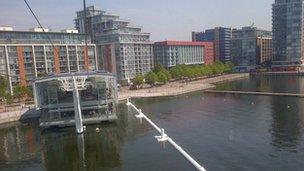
(123,49)
(97,95)
(25,56)
(221,38)
(287,27)
(244,49)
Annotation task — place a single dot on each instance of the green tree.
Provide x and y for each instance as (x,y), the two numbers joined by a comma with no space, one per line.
(138,80)
(158,68)
(176,72)
(21,92)
(151,78)
(4,94)
(3,83)
(162,78)
(167,73)
(230,66)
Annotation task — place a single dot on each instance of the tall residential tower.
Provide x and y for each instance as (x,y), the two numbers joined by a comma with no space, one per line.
(287,27)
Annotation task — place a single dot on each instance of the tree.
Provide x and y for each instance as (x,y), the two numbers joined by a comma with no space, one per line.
(3,83)
(230,66)
(4,94)
(138,80)
(158,68)
(176,72)
(162,78)
(151,78)
(22,92)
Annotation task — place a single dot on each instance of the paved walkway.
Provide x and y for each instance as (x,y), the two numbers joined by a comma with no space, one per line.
(178,88)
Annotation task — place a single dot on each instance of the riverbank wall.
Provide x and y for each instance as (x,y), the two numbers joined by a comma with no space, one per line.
(178,87)
(292,73)
(11,116)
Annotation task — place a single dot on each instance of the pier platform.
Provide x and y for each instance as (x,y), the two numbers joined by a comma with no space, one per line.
(255,93)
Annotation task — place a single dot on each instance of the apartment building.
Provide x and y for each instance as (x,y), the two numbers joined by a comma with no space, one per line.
(27,55)
(264,49)
(123,48)
(172,53)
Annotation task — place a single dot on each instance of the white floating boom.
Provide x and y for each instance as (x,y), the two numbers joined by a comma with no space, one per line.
(165,138)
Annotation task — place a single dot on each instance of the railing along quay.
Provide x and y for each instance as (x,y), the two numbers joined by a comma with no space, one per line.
(164,137)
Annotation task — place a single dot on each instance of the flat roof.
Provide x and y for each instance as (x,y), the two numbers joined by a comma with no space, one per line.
(33,32)
(91,73)
(182,43)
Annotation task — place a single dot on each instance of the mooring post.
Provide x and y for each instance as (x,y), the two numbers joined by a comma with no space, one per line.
(77,108)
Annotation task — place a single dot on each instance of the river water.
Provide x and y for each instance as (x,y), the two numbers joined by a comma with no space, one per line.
(223,132)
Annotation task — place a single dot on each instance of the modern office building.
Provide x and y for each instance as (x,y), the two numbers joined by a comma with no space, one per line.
(27,55)
(264,49)
(172,53)
(244,46)
(221,38)
(287,27)
(123,49)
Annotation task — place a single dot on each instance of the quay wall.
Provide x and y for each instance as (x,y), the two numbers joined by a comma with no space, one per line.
(11,116)
(278,73)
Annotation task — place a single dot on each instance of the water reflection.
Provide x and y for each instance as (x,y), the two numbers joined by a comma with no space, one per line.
(81,151)
(18,143)
(90,151)
(287,123)
(64,150)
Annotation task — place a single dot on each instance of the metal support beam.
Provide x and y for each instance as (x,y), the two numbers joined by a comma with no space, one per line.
(35,96)
(77,108)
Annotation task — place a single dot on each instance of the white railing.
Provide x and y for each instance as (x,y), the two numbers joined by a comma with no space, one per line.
(164,137)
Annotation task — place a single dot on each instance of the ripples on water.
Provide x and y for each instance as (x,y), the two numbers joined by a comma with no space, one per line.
(223,132)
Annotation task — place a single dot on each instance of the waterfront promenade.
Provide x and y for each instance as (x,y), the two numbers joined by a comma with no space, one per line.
(178,87)
(170,89)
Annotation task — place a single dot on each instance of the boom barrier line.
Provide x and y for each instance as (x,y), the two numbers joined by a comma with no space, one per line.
(165,138)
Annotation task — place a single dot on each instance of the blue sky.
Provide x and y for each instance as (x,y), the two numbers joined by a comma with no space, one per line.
(164,19)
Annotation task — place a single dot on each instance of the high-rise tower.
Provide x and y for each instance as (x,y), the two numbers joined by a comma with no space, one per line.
(287,28)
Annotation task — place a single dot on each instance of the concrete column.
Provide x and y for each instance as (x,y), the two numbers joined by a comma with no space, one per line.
(77,108)
(45,60)
(77,58)
(8,71)
(34,60)
(96,58)
(68,58)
